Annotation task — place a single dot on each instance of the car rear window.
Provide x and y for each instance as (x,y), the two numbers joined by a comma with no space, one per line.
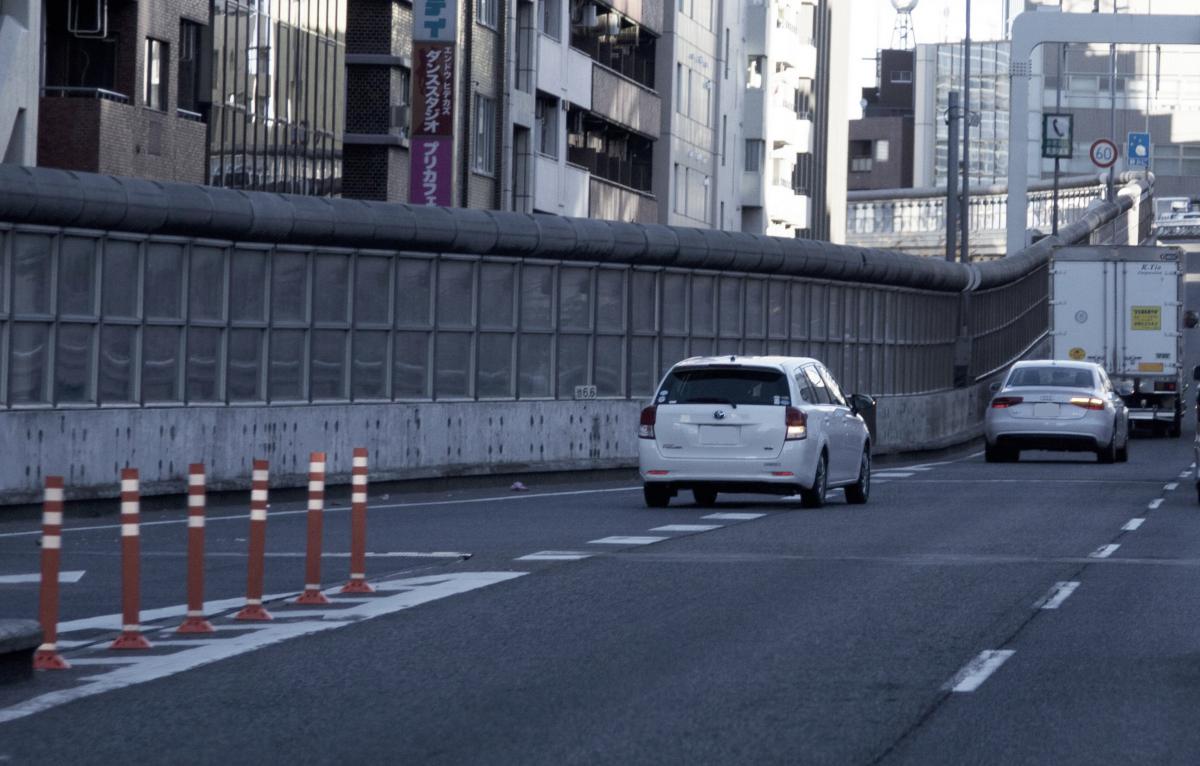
(723,385)
(1054,377)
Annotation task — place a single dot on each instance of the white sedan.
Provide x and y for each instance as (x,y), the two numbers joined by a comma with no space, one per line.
(777,425)
(1056,405)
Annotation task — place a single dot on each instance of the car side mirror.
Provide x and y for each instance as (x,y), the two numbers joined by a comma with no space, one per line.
(861,403)
(994,386)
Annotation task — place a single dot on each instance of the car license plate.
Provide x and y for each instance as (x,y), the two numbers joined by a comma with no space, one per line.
(1045,410)
(719,436)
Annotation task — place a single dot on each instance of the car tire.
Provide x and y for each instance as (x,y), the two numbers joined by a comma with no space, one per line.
(994,453)
(1123,452)
(1108,454)
(705,497)
(858,492)
(815,497)
(656,495)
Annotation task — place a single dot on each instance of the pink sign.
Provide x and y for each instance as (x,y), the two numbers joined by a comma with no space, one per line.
(432,174)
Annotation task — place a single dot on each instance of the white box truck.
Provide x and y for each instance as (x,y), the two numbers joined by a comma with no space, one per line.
(1122,307)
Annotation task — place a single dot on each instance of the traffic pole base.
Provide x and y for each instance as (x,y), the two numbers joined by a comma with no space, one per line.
(357,586)
(45,660)
(130,640)
(312,598)
(196,625)
(253,612)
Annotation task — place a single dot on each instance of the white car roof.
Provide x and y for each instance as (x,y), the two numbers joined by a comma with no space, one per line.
(775,362)
(1057,363)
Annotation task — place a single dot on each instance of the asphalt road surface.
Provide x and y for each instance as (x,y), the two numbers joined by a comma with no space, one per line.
(1040,612)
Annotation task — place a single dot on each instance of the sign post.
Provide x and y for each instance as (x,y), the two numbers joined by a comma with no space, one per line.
(1058,143)
(431,152)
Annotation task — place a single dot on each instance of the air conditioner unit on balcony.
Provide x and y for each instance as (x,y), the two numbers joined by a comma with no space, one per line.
(588,18)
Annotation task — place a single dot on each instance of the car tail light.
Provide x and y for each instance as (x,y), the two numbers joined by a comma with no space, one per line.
(646,427)
(1002,402)
(1088,402)
(797,424)
(1167,386)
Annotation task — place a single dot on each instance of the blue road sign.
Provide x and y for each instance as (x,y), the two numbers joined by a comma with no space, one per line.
(1138,154)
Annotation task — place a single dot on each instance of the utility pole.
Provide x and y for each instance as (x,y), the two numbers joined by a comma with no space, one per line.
(1062,64)
(966,143)
(952,115)
(1112,110)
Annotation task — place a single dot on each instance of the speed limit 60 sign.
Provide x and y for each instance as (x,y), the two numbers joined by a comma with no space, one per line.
(1103,153)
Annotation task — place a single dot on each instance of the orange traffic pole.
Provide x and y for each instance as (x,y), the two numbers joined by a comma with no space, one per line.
(131,631)
(195,622)
(47,657)
(358,526)
(253,610)
(316,505)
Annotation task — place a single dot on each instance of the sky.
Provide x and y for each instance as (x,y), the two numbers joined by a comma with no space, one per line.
(934,21)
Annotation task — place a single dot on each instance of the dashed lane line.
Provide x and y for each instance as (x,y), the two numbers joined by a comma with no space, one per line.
(1059,593)
(687,528)
(978,670)
(628,540)
(892,474)
(1154,504)
(1171,487)
(555,556)
(734,516)
(1132,525)
(1104,551)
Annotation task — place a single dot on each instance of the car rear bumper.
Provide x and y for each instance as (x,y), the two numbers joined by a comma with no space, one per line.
(1076,434)
(1051,442)
(794,467)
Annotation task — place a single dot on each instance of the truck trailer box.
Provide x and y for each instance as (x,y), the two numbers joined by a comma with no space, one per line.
(1122,307)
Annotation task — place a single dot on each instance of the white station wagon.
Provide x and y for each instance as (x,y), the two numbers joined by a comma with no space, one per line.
(753,424)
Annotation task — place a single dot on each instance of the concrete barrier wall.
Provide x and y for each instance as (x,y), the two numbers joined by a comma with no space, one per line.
(89,447)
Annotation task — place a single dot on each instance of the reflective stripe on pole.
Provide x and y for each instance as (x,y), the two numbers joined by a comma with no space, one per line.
(316,505)
(194,622)
(258,545)
(131,632)
(47,657)
(358,526)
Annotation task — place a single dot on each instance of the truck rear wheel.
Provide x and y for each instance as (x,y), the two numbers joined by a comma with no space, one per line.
(1176,427)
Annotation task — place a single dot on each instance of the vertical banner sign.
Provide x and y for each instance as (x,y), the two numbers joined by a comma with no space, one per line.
(431,150)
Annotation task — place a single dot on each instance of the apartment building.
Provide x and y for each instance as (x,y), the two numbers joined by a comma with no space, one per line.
(20,27)
(795,131)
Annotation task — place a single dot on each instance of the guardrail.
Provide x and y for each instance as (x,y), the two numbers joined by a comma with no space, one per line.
(168,314)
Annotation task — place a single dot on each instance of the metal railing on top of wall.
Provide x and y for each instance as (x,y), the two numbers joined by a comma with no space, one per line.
(120,292)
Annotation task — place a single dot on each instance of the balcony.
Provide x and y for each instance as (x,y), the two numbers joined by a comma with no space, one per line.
(611,202)
(788,129)
(560,188)
(785,206)
(625,102)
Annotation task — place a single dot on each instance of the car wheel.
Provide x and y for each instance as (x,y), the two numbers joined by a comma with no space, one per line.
(705,497)
(1175,428)
(656,495)
(1123,452)
(1108,454)
(858,492)
(994,453)
(815,497)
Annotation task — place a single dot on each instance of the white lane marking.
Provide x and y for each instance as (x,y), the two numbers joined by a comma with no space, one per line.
(1104,551)
(555,556)
(1132,525)
(630,540)
(127,660)
(1185,474)
(1154,504)
(730,516)
(892,474)
(975,672)
(1057,595)
(1171,487)
(687,528)
(137,670)
(1192,278)
(343,508)
(328,554)
(113,621)
(72,576)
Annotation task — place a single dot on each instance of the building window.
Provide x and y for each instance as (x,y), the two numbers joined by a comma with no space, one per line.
(546,119)
(680,93)
(488,13)
(902,77)
(754,155)
(727,53)
(680,205)
(190,67)
(881,150)
(485,135)
(550,19)
(402,116)
(754,71)
(614,40)
(155,92)
(724,136)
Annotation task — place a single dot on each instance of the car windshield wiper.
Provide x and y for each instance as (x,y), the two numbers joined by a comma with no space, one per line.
(709,400)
